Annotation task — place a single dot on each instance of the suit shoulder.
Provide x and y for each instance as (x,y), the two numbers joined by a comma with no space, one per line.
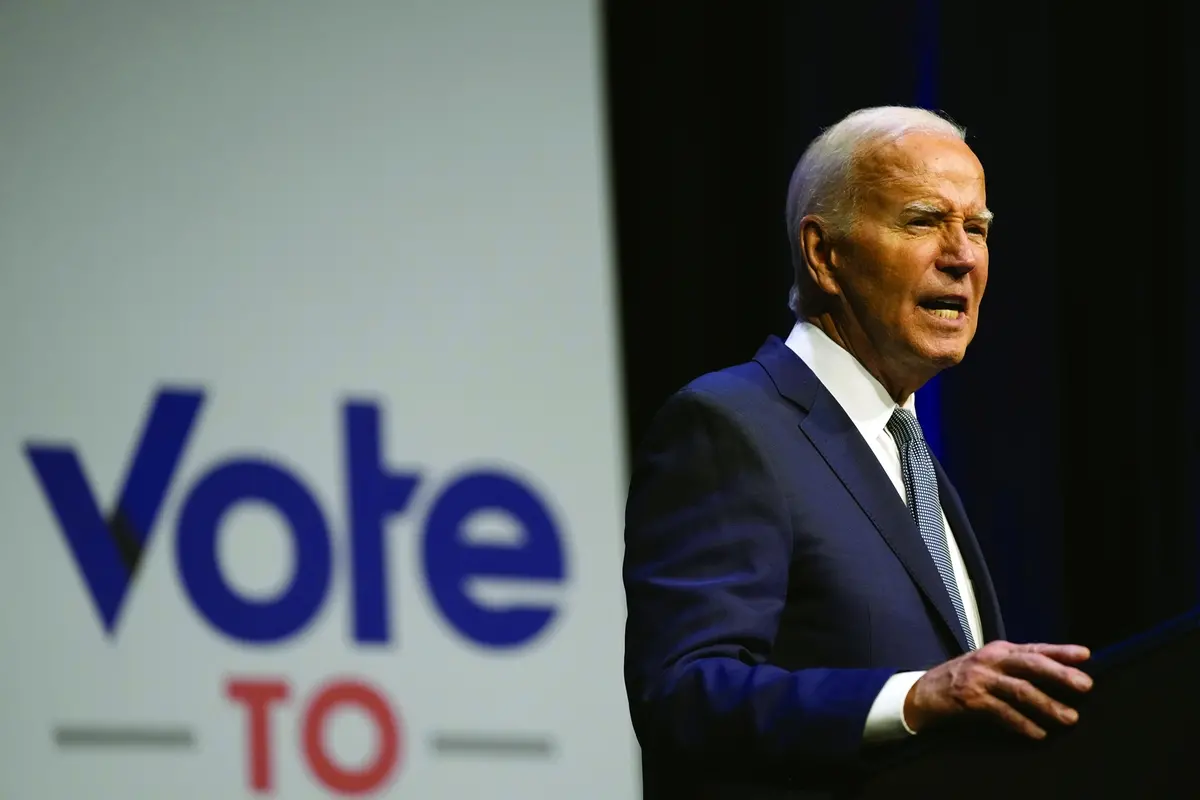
(737,390)
(740,398)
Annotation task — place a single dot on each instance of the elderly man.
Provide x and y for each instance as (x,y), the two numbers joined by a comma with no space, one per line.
(803,585)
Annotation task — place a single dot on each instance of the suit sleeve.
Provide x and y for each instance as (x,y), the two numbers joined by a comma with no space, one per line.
(708,543)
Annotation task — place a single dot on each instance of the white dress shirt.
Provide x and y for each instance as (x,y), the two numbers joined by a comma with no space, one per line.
(869,407)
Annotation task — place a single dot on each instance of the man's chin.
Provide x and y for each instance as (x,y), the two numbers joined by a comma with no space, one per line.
(943,352)
(941,342)
(947,360)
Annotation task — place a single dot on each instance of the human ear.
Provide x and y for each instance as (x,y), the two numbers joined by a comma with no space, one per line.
(816,244)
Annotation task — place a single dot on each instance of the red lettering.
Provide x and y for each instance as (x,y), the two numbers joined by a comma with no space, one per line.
(257,696)
(334,776)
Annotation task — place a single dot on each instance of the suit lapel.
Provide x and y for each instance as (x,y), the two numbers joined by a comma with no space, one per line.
(834,436)
(968,545)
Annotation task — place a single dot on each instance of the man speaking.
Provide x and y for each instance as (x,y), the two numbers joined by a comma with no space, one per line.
(803,585)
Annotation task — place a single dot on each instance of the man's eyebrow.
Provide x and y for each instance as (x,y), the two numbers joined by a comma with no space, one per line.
(936,210)
(923,207)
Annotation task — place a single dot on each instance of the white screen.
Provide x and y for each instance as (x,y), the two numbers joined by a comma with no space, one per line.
(353,260)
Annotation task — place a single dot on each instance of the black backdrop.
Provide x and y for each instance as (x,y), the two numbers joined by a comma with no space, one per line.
(1069,428)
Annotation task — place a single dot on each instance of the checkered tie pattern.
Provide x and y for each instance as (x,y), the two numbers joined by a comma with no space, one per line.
(920,481)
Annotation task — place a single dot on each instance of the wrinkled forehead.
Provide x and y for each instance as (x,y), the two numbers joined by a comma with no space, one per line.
(920,165)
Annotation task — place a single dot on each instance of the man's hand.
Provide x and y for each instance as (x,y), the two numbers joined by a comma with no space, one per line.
(996,681)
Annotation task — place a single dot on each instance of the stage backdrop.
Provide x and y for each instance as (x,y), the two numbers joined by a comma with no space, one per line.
(311,458)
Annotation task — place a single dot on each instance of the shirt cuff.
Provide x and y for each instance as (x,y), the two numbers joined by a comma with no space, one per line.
(885,720)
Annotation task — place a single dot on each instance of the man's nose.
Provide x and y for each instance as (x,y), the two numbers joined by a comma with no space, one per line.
(959,255)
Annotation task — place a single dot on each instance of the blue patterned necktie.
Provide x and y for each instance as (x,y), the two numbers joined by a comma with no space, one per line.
(920,481)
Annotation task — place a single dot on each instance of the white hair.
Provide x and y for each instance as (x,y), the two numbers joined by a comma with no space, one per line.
(824,181)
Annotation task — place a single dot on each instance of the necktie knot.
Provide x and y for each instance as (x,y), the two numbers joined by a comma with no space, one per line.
(904,428)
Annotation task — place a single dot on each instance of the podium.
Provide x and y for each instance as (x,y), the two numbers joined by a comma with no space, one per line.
(1137,736)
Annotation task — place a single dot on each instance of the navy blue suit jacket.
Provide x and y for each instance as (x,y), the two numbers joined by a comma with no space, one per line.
(775,580)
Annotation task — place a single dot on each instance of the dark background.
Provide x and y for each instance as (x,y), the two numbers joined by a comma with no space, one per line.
(1069,428)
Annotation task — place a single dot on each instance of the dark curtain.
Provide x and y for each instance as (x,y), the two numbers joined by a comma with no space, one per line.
(1068,429)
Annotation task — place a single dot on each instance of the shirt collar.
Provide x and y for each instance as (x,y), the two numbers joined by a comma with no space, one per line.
(856,390)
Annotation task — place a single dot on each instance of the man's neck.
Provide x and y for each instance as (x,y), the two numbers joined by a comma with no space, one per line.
(851,338)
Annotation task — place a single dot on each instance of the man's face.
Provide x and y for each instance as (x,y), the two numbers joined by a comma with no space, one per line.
(913,269)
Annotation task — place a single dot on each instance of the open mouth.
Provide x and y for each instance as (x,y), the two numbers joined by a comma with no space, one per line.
(948,307)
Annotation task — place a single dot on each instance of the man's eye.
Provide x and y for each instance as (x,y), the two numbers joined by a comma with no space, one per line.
(977,230)
(921,222)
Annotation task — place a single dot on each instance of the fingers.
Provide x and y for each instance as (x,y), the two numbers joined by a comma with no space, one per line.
(1030,697)
(1064,653)
(1037,665)
(1010,717)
